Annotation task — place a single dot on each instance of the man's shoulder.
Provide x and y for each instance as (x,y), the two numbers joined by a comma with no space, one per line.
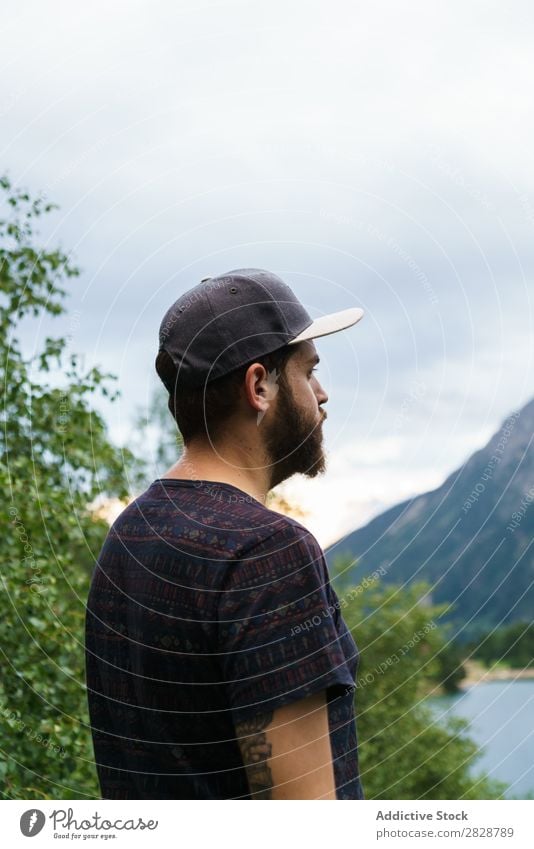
(282,549)
(282,528)
(245,531)
(284,561)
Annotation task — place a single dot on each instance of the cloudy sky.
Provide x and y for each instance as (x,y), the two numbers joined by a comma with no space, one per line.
(371,154)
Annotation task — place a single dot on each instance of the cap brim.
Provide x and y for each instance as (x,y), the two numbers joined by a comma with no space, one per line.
(329,324)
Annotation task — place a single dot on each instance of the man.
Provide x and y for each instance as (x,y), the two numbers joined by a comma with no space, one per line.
(218,663)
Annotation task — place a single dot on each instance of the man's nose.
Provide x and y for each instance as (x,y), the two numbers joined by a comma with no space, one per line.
(322,396)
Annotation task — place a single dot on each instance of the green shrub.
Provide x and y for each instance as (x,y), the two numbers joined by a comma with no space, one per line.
(404,752)
(55,457)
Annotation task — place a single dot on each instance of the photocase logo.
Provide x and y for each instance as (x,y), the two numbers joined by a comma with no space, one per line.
(272,389)
(31,822)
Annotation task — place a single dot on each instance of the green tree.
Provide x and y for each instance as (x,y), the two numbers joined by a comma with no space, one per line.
(512,644)
(450,663)
(55,458)
(404,752)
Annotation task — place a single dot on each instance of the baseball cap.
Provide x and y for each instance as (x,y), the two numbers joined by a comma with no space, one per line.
(226,321)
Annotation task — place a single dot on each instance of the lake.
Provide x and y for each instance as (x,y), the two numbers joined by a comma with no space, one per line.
(502,721)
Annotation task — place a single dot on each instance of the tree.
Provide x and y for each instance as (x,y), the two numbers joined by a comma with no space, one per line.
(404,752)
(512,644)
(450,659)
(55,458)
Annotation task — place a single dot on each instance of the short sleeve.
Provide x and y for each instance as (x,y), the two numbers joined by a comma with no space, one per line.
(277,636)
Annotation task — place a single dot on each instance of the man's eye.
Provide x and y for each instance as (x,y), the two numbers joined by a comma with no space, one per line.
(313,369)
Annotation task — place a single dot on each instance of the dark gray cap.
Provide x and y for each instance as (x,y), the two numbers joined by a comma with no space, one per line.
(229,320)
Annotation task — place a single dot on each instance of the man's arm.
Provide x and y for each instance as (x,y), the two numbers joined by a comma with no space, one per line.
(287,753)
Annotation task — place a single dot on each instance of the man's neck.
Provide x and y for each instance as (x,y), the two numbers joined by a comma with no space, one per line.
(199,463)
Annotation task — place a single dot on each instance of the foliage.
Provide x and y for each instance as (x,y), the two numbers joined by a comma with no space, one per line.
(55,457)
(404,752)
(450,664)
(513,644)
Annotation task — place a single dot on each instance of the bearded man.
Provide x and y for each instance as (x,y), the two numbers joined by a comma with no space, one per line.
(218,663)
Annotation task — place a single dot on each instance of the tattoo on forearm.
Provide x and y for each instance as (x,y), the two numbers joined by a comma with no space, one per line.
(256,751)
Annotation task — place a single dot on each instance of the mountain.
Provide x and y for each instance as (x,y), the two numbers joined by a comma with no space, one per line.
(472,538)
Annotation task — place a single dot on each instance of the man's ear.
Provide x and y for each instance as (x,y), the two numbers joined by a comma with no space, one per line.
(260,388)
(270,388)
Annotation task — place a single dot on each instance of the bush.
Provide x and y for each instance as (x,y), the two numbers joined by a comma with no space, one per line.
(55,457)
(404,752)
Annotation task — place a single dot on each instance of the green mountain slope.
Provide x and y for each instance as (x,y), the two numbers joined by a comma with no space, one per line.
(472,538)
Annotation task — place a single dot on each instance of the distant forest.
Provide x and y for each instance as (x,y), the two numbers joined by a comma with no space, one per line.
(512,644)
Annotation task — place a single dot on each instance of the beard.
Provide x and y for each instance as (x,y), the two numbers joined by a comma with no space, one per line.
(293,440)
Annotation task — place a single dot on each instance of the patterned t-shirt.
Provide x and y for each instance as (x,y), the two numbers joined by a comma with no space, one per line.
(207,608)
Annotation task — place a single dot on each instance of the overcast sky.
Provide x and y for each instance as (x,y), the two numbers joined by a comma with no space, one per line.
(372,154)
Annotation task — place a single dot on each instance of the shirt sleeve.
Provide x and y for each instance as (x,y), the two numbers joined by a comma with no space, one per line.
(277,632)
